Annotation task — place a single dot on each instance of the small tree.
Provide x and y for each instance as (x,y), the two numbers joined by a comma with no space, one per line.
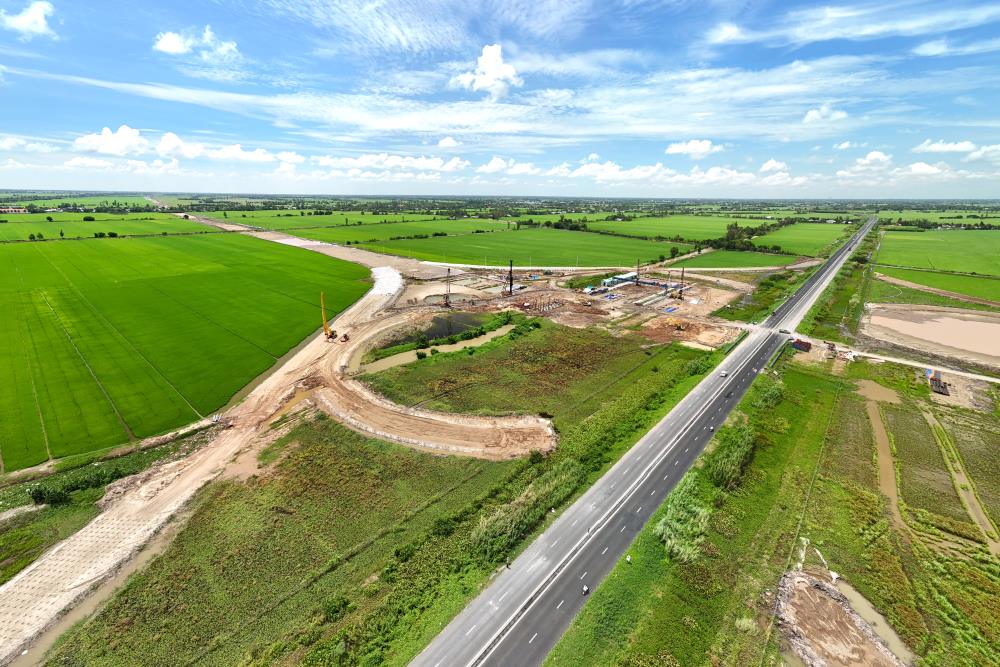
(48,218)
(62,234)
(674,252)
(86,218)
(31,237)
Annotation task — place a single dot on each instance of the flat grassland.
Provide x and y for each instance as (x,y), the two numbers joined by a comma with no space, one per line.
(804,238)
(72,225)
(271,219)
(123,201)
(735,259)
(124,338)
(687,227)
(984,287)
(964,251)
(531,247)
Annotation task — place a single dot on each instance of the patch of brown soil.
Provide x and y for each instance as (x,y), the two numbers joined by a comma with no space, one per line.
(823,629)
(875,392)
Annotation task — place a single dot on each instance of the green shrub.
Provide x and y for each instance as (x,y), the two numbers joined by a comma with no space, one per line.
(682,527)
(732,456)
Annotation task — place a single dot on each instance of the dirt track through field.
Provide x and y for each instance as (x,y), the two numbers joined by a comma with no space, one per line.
(35,598)
(874,393)
(934,290)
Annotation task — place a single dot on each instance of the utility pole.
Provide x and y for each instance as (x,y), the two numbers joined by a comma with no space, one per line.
(447,292)
(680,292)
(637,273)
(510,279)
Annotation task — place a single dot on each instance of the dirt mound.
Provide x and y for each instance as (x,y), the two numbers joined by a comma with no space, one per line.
(823,629)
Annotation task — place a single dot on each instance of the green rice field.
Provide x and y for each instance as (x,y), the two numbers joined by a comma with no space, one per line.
(72,225)
(531,247)
(804,238)
(735,259)
(294,219)
(384,232)
(688,227)
(118,339)
(964,251)
(983,287)
(85,202)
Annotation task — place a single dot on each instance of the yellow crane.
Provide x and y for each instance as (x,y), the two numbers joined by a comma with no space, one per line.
(327,331)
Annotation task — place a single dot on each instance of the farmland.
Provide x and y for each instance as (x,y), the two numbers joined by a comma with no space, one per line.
(110,200)
(984,287)
(804,238)
(270,219)
(733,259)
(687,227)
(963,251)
(370,547)
(72,225)
(385,232)
(112,338)
(531,247)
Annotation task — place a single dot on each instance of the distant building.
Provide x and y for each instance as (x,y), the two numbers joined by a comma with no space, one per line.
(12,209)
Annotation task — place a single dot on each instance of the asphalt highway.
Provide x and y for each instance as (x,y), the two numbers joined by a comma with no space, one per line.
(523,612)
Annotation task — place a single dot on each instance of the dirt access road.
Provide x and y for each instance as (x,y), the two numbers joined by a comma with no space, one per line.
(36,598)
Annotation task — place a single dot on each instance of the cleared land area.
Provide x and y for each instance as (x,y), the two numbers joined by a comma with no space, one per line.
(531,247)
(114,339)
(984,287)
(804,238)
(72,225)
(964,251)
(687,227)
(734,259)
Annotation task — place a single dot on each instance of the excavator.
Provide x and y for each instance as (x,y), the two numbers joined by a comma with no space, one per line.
(328,332)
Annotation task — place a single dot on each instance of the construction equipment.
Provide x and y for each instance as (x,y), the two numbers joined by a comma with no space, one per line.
(328,333)
(345,338)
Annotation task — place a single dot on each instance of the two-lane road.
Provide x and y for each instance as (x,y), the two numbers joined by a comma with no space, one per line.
(521,615)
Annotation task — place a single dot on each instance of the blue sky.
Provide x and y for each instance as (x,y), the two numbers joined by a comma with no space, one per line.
(668,98)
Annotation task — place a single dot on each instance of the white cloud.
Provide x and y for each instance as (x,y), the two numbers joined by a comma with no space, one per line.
(80,162)
(923,169)
(173,43)
(560,170)
(523,169)
(592,157)
(448,142)
(155,167)
(867,166)
(386,161)
(941,47)
(845,145)
(290,157)
(989,153)
(944,147)
(492,74)
(31,22)
(123,141)
(494,165)
(511,167)
(696,149)
(237,153)
(25,146)
(858,22)
(173,146)
(824,113)
(773,165)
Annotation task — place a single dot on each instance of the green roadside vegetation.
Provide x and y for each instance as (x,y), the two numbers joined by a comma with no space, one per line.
(352,551)
(984,287)
(735,259)
(116,340)
(701,584)
(769,292)
(837,313)
(67,498)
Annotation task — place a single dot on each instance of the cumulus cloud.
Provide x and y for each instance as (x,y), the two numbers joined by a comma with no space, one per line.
(204,54)
(173,146)
(696,149)
(773,165)
(236,152)
(496,164)
(290,157)
(155,167)
(492,74)
(824,113)
(123,141)
(448,142)
(989,153)
(25,146)
(845,145)
(944,147)
(872,163)
(32,21)
(923,169)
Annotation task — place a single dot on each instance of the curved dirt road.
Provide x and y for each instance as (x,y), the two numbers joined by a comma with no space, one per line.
(35,598)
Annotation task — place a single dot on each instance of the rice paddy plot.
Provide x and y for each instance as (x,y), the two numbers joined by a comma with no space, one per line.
(531,248)
(307,218)
(688,227)
(122,339)
(104,201)
(735,259)
(399,230)
(984,287)
(964,251)
(804,238)
(73,225)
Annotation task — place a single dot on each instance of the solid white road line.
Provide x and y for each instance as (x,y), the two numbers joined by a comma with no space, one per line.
(469,631)
(582,576)
(560,604)
(605,551)
(532,637)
